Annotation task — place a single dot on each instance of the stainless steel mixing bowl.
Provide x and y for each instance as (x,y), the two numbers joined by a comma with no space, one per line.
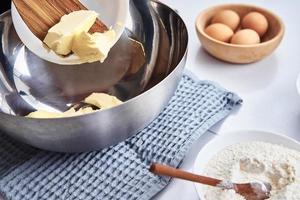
(145,77)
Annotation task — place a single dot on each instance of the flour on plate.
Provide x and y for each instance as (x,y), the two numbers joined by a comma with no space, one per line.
(256,161)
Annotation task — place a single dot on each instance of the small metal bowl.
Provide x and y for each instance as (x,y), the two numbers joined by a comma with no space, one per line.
(149,57)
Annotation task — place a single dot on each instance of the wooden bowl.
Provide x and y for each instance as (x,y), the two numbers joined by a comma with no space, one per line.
(240,53)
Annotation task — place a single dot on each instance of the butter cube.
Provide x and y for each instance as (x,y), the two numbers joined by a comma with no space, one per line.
(93,47)
(60,36)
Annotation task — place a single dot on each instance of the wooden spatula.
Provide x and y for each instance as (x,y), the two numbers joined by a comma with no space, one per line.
(41,15)
(250,191)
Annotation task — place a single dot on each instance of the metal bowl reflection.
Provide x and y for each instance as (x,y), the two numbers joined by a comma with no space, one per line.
(145,67)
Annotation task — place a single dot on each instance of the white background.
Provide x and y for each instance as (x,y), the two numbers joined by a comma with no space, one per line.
(268,88)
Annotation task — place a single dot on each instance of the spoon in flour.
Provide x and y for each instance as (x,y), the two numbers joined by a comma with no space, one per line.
(250,191)
(33,18)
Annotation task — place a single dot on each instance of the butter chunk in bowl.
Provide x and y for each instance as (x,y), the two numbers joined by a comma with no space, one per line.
(100,100)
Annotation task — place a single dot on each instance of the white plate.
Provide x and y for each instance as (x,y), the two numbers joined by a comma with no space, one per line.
(243,136)
(113,13)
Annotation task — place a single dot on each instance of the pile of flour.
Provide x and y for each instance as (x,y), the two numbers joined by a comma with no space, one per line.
(256,161)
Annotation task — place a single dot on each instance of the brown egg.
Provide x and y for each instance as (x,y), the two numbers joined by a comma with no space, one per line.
(219,32)
(245,37)
(227,17)
(256,21)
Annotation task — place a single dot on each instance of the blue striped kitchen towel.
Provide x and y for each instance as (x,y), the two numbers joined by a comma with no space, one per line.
(122,171)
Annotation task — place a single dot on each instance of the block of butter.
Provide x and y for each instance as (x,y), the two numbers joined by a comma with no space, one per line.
(93,47)
(100,100)
(60,36)
(71,35)
(41,114)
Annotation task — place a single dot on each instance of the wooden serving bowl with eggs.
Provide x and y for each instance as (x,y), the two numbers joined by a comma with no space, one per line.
(239,33)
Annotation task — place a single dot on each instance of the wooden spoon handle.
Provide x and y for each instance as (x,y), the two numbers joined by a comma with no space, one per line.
(165,170)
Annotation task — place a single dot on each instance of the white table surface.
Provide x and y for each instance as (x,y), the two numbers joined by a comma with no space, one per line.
(268,88)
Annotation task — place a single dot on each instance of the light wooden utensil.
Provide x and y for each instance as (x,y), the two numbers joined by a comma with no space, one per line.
(41,15)
(250,191)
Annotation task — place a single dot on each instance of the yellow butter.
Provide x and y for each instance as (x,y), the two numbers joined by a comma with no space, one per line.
(60,36)
(93,47)
(100,100)
(44,114)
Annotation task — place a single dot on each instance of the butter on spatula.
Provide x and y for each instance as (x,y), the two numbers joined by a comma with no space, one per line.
(75,31)
(60,37)
(71,35)
(41,15)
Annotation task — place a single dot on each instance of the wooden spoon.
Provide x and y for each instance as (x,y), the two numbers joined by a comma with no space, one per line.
(41,15)
(250,191)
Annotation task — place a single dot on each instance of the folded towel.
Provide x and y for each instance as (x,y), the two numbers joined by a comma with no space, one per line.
(121,171)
